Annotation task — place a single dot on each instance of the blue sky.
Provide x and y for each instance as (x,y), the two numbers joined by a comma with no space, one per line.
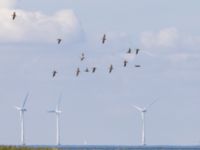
(97,108)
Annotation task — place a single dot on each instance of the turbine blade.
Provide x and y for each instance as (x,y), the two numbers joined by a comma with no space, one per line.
(25,100)
(151,104)
(138,108)
(59,101)
(16,107)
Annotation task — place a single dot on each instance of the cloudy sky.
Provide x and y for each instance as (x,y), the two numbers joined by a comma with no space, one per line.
(97,107)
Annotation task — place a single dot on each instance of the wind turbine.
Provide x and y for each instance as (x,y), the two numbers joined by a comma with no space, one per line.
(143,111)
(58,112)
(22,110)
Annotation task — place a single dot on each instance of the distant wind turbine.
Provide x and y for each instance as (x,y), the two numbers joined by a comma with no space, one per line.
(58,112)
(143,111)
(22,110)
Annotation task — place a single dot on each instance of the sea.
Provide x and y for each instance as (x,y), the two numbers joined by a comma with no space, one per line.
(115,147)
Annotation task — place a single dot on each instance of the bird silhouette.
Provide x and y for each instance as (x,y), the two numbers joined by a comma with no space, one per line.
(104,39)
(125,63)
(54,73)
(82,56)
(94,69)
(137,66)
(59,41)
(14,15)
(129,51)
(137,51)
(110,68)
(87,70)
(77,72)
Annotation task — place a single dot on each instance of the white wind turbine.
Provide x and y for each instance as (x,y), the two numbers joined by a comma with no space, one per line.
(22,110)
(143,111)
(58,112)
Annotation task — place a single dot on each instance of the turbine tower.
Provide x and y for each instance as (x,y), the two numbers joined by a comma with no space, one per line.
(22,110)
(143,111)
(58,112)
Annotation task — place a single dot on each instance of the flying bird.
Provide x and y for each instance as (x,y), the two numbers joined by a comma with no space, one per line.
(14,15)
(54,73)
(82,56)
(137,51)
(77,72)
(110,68)
(137,66)
(129,51)
(59,41)
(94,69)
(104,39)
(125,63)
(87,70)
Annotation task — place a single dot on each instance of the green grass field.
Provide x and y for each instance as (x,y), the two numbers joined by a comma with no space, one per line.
(22,148)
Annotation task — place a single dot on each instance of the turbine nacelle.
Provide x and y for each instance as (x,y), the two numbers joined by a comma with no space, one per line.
(55,111)
(21,109)
(144,110)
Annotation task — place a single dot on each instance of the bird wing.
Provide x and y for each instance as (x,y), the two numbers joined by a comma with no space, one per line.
(137,51)
(59,40)
(137,66)
(104,38)
(93,69)
(77,72)
(110,69)
(13,15)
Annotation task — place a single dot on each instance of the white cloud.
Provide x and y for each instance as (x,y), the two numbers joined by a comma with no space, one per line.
(164,38)
(36,26)
(7,3)
(171,45)
(170,40)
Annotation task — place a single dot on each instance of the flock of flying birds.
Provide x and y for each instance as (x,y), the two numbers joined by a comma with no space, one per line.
(93,69)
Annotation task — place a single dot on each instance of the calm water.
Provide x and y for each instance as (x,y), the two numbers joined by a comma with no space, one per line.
(124,147)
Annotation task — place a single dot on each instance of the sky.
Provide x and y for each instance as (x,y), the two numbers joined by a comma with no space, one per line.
(97,107)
